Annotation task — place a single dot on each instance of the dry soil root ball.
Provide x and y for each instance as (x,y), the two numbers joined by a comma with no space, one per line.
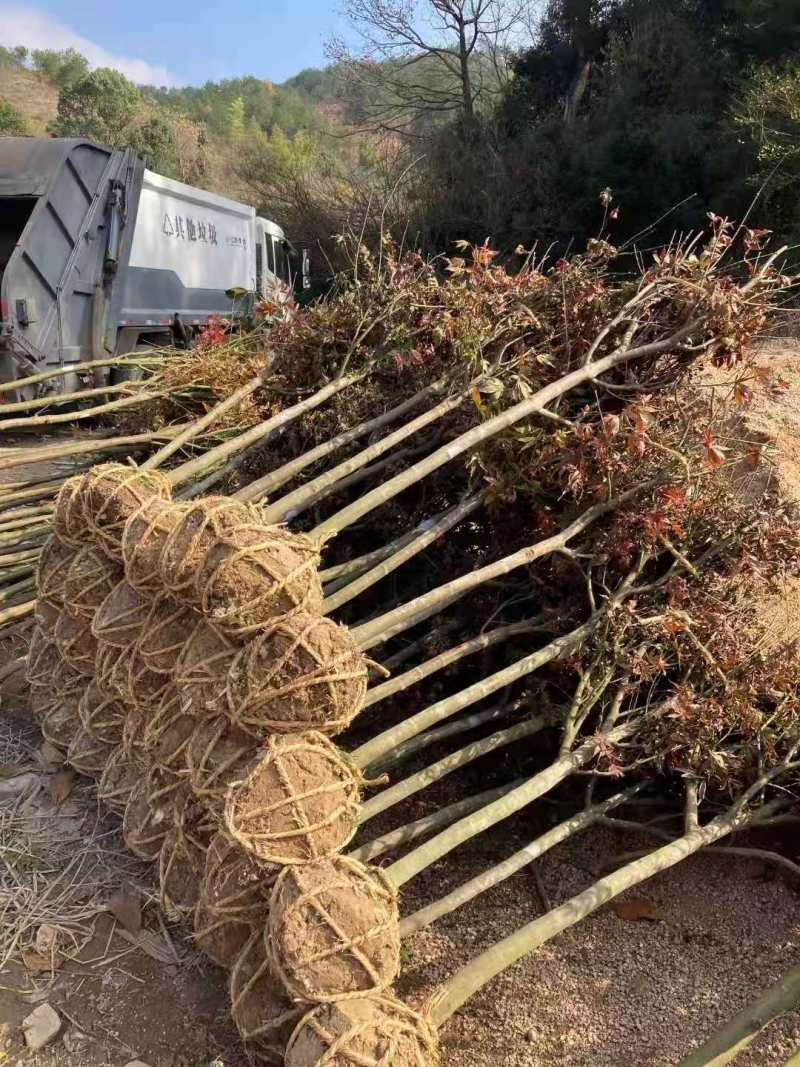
(164,636)
(370,1032)
(75,641)
(299,803)
(58,718)
(117,782)
(183,857)
(256,573)
(333,930)
(111,492)
(55,560)
(90,578)
(205,658)
(149,813)
(121,618)
(304,672)
(87,755)
(218,754)
(103,717)
(133,739)
(202,522)
(124,674)
(47,613)
(167,747)
(69,521)
(143,540)
(234,900)
(43,659)
(263,1015)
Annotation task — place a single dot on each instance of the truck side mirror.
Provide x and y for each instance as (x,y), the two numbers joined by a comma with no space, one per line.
(306,269)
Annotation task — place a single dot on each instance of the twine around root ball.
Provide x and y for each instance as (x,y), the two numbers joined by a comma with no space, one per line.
(183,856)
(90,577)
(369,1032)
(218,753)
(110,493)
(75,641)
(303,672)
(54,562)
(255,573)
(201,523)
(164,635)
(124,674)
(333,930)
(262,1014)
(102,717)
(87,755)
(149,813)
(117,782)
(143,539)
(121,618)
(299,803)
(233,902)
(58,717)
(205,657)
(45,662)
(69,521)
(47,613)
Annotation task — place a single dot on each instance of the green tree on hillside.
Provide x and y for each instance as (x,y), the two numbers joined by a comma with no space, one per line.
(102,105)
(12,123)
(62,68)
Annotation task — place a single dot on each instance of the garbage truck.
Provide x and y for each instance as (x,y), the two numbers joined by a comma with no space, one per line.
(101,257)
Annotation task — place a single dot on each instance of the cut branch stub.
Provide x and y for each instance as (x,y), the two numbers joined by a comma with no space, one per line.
(149,813)
(164,635)
(183,857)
(117,782)
(69,521)
(303,672)
(143,539)
(234,900)
(76,642)
(369,1032)
(103,717)
(121,618)
(263,1015)
(88,755)
(217,754)
(201,522)
(333,930)
(255,573)
(110,493)
(55,560)
(299,803)
(90,578)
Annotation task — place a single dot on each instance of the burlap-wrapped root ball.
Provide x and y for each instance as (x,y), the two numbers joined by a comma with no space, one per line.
(55,560)
(117,782)
(102,717)
(69,521)
(121,618)
(218,753)
(371,1032)
(299,803)
(233,902)
(149,813)
(133,738)
(75,641)
(110,493)
(122,673)
(256,573)
(333,930)
(165,632)
(165,739)
(143,539)
(263,1015)
(303,672)
(182,858)
(43,660)
(87,755)
(57,714)
(47,613)
(205,659)
(90,577)
(201,523)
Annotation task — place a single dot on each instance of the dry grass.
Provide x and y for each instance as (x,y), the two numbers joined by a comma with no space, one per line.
(32,95)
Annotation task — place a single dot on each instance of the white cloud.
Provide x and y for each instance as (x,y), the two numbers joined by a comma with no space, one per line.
(35,29)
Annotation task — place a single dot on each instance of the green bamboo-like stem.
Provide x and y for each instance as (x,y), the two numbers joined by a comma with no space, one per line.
(35,422)
(24,535)
(26,522)
(71,368)
(505,953)
(425,641)
(11,592)
(500,872)
(422,607)
(405,788)
(15,573)
(26,511)
(437,528)
(517,799)
(40,491)
(363,474)
(10,558)
(452,655)
(19,611)
(262,487)
(735,1036)
(195,428)
(25,456)
(192,468)
(336,577)
(463,724)
(57,399)
(412,831)
(293,504)
(479,434)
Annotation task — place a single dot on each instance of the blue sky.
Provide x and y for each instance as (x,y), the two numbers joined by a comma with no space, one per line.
(180,41)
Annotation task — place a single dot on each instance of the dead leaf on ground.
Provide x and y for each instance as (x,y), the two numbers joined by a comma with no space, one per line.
(636,909)
(35,961)
(151,944)
(50,755)
(61,785)
(127,910)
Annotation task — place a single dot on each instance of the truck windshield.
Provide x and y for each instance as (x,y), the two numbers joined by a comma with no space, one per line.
(281,260)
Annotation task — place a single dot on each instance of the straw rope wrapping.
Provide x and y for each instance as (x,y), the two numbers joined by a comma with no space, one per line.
(133,743)
(205,658)
(121,618)
(182,858)
(102,717)
(110,493)
(129,676)
(299,803)
(368,1032)
(263,1015)
(144,537)
(253,574)
(117,782)
(87,755)
(47,613)
(58,716)
(234,899)
(69,521)
(217,754)
(148,813)
(333,930)
(303,672)
(76,642)
(90,577)
(164,635)
(44,660)
(54,563)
